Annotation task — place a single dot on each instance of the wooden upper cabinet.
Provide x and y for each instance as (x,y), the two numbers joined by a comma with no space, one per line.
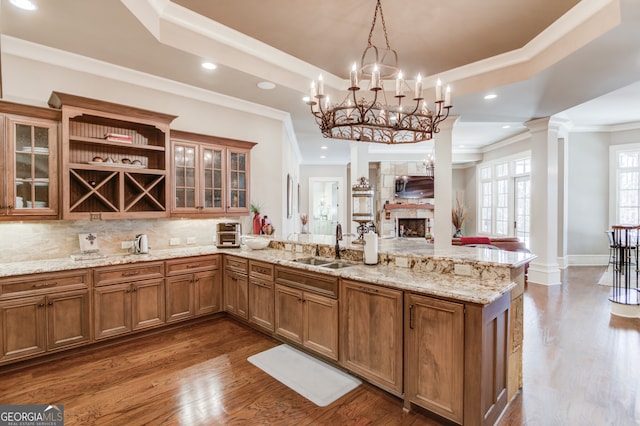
(210,175)
(29,162)
(114,159)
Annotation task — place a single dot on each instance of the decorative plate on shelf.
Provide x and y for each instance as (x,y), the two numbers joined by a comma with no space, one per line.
(105,164)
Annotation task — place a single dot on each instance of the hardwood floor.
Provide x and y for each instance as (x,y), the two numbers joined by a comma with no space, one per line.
(581,367)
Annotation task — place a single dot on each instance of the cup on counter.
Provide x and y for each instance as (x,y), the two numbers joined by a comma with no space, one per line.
(19,203)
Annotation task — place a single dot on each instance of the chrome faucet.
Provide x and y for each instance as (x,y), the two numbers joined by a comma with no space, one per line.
(338,238)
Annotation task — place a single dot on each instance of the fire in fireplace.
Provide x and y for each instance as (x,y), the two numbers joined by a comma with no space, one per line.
(411,227)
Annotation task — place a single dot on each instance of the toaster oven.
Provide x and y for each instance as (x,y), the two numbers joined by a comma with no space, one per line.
(228,235)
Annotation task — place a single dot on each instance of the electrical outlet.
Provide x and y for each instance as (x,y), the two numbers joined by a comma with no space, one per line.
(174,241)
(298,248)
(126,245)
(191,240)
(287,246)
(462,269)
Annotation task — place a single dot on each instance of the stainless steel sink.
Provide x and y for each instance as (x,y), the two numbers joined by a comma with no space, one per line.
(317,261)
(338,264)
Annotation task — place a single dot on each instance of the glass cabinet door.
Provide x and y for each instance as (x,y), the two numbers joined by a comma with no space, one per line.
(212,181)
(238,185)
(184,166)
(32,186)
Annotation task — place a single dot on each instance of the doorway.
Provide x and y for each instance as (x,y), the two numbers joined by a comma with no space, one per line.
(324,204)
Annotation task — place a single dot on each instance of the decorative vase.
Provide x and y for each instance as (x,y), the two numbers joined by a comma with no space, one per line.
(257,224)
(458,233)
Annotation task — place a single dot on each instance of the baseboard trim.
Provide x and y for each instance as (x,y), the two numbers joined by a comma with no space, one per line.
(588,259)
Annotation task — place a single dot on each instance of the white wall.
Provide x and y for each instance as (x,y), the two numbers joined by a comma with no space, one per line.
(309,171)
(588,195)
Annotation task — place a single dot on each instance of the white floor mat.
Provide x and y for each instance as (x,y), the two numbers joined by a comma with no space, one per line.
(315,380)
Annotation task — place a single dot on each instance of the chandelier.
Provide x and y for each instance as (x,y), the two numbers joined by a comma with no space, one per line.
(375,119)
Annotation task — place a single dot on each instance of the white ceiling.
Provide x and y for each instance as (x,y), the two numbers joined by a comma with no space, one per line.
(579,60)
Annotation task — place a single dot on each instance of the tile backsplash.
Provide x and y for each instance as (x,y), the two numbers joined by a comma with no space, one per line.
(26,240)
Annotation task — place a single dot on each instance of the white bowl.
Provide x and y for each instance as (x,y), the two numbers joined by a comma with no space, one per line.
(256,243)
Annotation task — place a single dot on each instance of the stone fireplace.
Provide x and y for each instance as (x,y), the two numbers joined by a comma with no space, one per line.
(412,227)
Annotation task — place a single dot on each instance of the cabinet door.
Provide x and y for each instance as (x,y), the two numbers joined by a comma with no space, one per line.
(435,356)
(208,289)
(185,182)
(320,324)
(32,167)
(147,304)
(261,304)
(112,310)
(288,310)
(180,297)
(212,179)
(371,325)
(236,294)
(238,181)
(22,327)
(67,319)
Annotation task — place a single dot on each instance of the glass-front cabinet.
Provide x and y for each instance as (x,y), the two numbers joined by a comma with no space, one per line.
(198,178)
(210,175)
(31,162)
(238,181)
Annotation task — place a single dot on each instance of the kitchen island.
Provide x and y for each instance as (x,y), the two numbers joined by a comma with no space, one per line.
(443,330)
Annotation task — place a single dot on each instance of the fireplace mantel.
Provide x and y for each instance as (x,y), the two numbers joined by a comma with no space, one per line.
(408,206)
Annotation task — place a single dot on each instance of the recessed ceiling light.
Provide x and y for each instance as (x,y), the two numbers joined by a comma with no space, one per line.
(490,96)
(306,99)
(209,65)
(266,85)
(324,147)
(506,126)
(24,4)
(323,156)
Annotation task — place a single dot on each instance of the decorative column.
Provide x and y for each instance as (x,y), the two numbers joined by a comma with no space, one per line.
(544,201)
(443,184)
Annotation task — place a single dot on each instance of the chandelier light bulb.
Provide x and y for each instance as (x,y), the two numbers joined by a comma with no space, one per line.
(353,76)
(375,78)
(438,90)
(418,94)
(447,96)
(399,83)
(320,85)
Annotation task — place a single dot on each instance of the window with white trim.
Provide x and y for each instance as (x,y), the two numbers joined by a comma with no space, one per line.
(497,198)
(628,186)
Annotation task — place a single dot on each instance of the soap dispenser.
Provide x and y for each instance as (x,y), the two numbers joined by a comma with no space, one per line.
(371,248)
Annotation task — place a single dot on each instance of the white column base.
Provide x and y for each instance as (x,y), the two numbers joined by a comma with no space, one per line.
(544,274)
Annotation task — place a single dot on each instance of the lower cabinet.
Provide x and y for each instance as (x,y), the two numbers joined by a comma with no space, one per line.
(371,322)
(435,355)
(261,302)
(308,319)
(127,307)
(236,287)
(193,287)
(42,313)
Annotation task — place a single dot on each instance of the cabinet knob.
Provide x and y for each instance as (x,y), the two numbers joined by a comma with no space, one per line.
(50,303)
(9,206)
(40,305)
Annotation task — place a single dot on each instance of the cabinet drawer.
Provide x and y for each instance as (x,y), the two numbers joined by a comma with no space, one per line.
(237,264)
(317,283)
(191,264)
(51,281)
(261,270)
(134,272)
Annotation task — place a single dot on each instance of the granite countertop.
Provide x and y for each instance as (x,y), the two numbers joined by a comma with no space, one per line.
(463,288)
